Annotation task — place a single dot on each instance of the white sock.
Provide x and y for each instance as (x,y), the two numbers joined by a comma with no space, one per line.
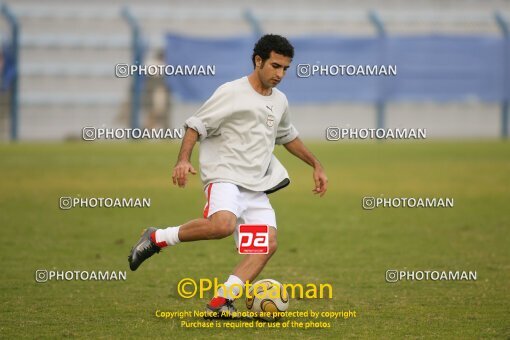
(232,286)
(168,236)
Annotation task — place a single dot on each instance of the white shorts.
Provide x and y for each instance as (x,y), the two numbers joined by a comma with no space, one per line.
(250,207)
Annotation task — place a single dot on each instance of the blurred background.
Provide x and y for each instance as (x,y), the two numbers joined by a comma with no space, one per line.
(58,60)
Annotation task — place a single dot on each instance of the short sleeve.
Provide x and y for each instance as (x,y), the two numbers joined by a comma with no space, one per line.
(207,120)
(286,131)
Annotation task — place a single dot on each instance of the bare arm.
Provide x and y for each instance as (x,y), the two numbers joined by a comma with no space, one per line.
(183,165)
(298,149)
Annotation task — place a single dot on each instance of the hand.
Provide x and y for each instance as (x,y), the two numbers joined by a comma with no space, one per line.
(321,181)
(180,173)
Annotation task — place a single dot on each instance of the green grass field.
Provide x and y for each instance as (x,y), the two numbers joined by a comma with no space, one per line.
(329,240)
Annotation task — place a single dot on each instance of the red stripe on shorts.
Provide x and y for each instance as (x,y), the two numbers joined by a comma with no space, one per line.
(206,209)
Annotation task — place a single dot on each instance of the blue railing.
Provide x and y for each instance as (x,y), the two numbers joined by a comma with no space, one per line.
(137,59)
(506,69)
(14,80)
(430,68)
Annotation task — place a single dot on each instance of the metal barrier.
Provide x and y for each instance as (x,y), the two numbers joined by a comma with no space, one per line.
(137,55)
(136,45)
(14,25)
(504,105)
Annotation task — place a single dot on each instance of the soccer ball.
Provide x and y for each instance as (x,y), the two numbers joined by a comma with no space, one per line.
(267,296)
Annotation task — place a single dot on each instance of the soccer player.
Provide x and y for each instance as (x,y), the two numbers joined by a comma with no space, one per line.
(238,127)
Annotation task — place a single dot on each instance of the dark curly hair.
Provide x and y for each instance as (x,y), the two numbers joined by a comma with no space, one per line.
(272,42)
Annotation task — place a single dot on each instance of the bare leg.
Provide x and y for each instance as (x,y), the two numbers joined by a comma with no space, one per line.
(251,265)
(219,225)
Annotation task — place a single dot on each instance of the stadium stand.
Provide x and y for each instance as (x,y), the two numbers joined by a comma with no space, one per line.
(69,49)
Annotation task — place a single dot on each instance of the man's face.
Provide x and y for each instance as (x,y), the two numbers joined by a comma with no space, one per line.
(272,71)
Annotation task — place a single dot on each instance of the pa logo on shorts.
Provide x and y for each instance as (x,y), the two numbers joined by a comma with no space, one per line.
(270,121)
(253,239)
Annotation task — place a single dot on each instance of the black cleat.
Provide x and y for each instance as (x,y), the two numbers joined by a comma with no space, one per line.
(143,249)
(225,311)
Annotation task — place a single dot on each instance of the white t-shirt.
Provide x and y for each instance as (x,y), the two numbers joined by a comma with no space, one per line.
(238,129)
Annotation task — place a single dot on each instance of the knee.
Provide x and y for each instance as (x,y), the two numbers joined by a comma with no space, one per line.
(273,246)
(221,229)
